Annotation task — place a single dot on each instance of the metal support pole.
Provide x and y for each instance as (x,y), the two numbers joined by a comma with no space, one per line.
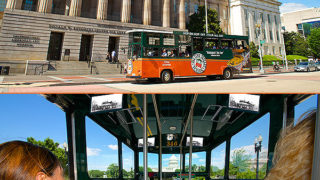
(285,113)
(145,139)
(120,162)
(72,165)
(160,134)
(208,164)
(136,164)
(257,170)
(316,151)
(227,159)
(190,144)
(206,7)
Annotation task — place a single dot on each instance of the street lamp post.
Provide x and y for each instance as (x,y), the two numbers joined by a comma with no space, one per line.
(257,149)
(284,50)
(258,31)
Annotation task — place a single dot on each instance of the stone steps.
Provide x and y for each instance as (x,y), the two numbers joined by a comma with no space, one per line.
(81,68)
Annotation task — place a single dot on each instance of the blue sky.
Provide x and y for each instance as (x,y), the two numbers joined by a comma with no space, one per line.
(293,5)
(31,115)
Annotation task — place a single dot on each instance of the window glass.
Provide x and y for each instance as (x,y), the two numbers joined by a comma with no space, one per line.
(218,162)
(185,51)
(135,51)
(183,39)
(168,40)
(198,162)
(243,160)
(102,152)
(271,36)
(136,37)
(153,165)
(128,162)
(171,163)
(308,104)
(169,52)
(226,44)
(153,39)
(151,52)
(197,44)
(212,43)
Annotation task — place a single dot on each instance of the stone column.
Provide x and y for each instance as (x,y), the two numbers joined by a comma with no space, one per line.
(126,11)
(166,13)
(14,4)
(102,9)
(182,15)
(75,8)
(45,6)
(147,12)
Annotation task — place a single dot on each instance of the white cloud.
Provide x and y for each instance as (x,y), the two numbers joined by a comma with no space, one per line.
(113,146)
(289,7)
(93,151)
(202,160)
(194,156)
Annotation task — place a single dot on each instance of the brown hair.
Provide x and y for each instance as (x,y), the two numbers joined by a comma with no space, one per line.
(22,161)
(294,151)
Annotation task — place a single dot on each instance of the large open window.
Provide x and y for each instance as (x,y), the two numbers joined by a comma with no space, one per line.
(102,152)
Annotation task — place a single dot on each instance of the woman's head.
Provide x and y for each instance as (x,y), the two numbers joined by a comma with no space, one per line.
(24,161)
(293,154)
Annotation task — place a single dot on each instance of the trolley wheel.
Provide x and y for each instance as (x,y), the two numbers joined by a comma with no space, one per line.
(227,74)
(166,76)
(308,69)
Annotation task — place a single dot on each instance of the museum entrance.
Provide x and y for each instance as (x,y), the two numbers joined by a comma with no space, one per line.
(113,44)
(86,47)
(55,46)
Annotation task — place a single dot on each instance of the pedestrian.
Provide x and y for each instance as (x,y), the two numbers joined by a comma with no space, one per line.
(114,54)
(125,68)
(25,161)
(109,57)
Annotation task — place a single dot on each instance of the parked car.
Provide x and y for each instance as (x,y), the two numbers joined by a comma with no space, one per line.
(306,66)
(318,65)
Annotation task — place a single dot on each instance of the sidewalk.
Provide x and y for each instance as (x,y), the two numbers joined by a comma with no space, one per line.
(23,80)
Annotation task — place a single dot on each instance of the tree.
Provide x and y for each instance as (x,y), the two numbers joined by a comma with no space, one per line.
(141,169)
(96,173)
(54,148)
(296,44)
(197,21)
(254,50)
(113,171)
(239,163)
(314,42)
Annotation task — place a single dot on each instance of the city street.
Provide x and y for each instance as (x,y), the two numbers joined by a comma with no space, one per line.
(302,82)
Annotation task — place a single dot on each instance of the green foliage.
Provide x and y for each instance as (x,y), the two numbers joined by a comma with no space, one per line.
(254,50)
(270,58)
(197,21)
(297,57)
(296,44)
(240,160)
(141,169)
(314,42)
(54,148)
(128,174)
(96,173)
(113,171)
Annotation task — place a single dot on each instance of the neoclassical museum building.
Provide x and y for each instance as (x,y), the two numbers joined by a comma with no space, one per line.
(86,30)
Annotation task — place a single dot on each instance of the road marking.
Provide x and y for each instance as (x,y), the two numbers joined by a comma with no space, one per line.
(101,79)
(60,79)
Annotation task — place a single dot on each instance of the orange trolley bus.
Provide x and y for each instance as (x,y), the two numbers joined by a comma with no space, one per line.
(167,55)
